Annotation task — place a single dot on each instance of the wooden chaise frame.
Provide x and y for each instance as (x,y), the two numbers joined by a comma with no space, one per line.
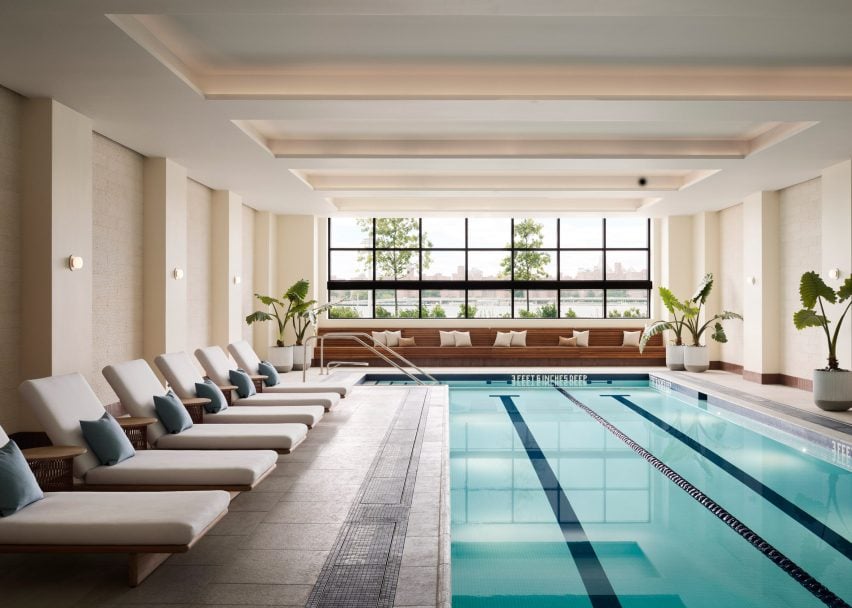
(143,559)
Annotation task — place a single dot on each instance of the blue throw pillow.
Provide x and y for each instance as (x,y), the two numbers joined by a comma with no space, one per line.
(209,390)
(18,485)
(244,384)
(172,413)
(265,368)
(107,440)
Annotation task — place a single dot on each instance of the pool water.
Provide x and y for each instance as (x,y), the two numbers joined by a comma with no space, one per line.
(617,494)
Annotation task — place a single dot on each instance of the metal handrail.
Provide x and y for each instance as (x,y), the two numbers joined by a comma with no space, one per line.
(356,337)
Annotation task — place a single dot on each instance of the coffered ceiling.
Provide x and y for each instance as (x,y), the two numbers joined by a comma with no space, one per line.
(475,106)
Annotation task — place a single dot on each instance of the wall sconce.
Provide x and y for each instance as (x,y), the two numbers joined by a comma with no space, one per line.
(751,280)
(834,273)
(75,262)
(177,273)
(237,279)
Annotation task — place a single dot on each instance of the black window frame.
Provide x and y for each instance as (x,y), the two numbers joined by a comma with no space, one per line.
(466,285)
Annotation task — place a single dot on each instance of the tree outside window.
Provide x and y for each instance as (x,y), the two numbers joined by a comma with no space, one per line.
(529,264)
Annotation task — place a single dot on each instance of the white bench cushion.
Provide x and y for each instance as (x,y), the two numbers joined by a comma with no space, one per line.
(267,397)
(114,518)
(244,355)
(236,437)
(304,414)
(186,468)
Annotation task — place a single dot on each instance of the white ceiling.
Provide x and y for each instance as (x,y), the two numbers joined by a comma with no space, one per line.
(443,106)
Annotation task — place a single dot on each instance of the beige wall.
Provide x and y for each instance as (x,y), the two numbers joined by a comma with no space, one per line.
(247,273)
(800,240)
(730,280)
(199,227)
(11,115)
(117,258)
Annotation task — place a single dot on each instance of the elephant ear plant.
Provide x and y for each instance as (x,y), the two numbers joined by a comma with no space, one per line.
(291,308)
(678,311)
(814,293)
(692,316)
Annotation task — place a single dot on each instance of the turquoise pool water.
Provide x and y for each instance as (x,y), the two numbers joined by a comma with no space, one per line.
(616,494)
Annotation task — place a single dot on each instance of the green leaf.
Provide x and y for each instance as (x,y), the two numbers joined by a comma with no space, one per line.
(657,327)
(844,292)
(719,333)
(268,300)
(670,301)
(727,314)
(812,287)
(258,316)
(703,289)
(298,291)
(808,318)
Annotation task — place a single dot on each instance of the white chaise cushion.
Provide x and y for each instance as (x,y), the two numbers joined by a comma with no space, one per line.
(247,359)
(251,414)
(244,355)
(60,403)
(309,387)
(114,518)
(272,397)
(136,384)
(180,372)
(236,437)
(215,363)
(187,468)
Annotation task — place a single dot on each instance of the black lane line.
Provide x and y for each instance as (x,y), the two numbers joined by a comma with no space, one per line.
(795,512)
(796,572)
(598,588)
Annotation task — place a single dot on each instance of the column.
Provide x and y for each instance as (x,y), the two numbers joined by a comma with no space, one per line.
(265,272)
(56,223)
(226,267)
(705,256)
(297,254)
(761,306)
(836,214)
(165,254)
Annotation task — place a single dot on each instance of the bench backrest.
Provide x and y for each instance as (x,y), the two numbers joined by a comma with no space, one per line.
(484,336)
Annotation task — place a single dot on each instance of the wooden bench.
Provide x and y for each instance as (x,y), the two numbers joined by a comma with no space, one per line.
(541,350)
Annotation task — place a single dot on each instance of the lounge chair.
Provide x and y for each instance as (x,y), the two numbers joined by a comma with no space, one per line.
(61,402)
(148,526)
(136,384)
(248,360)
(217,366)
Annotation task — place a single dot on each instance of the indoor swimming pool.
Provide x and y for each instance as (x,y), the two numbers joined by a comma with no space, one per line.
(611,492)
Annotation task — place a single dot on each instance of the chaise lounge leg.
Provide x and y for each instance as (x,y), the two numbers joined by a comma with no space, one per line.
(143,564)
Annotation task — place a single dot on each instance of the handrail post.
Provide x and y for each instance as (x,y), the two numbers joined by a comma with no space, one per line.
(305,362)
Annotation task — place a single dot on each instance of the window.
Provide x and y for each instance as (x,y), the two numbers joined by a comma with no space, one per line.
(489,268)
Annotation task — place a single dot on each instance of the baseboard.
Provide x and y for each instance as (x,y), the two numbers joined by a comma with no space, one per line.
(804,384)
(761,378)
(727,367)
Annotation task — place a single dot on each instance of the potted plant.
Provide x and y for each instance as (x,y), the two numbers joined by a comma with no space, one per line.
(292,308)
(832,385)
(678,310)
(695,357)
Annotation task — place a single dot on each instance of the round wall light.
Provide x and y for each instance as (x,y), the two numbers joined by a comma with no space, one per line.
(237,279)
(834,273)
(177,273)
(751,280)
(75,262)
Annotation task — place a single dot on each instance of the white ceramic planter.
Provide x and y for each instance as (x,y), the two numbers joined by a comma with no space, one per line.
(299,357)
(833,390)
(674,357)
(281,357)
(696,358)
